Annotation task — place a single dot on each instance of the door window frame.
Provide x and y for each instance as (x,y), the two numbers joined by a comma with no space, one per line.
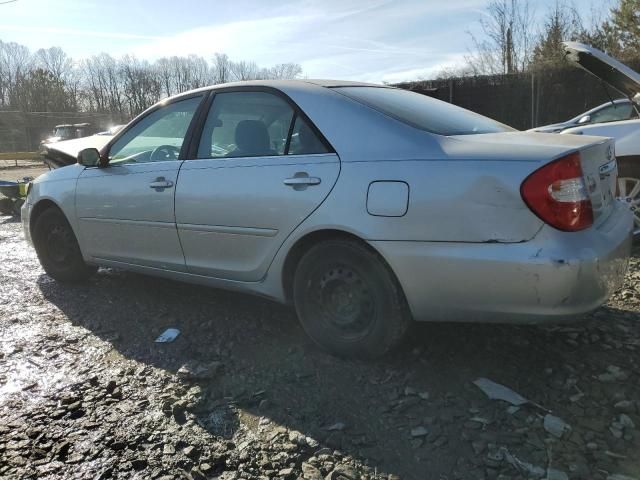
(191,152)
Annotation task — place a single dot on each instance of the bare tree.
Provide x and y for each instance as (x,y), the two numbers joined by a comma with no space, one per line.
(285,71)
(49,80)
(55,61)
(244,70)
(15,62)
(507,41)
(221,70)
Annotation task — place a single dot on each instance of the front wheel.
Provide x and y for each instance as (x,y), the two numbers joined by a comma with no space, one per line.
(349,301)
(58,249)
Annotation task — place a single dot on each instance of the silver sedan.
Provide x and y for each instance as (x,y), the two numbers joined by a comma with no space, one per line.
(364,206)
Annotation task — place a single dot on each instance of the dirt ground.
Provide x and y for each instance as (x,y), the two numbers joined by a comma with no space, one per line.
(12,173)
(85,392)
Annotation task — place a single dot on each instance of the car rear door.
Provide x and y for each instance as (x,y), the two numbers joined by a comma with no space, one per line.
(125,210)
(260,169)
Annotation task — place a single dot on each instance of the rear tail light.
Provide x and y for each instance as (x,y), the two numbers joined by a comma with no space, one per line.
(558,195)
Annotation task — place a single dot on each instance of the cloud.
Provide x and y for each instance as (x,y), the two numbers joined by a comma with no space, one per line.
(76,32)
(336,39)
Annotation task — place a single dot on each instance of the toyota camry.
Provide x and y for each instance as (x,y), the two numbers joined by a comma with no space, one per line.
(366,207)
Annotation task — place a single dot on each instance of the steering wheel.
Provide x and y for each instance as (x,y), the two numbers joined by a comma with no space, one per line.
(164,152)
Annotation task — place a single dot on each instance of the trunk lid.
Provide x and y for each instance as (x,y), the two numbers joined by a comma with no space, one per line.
(532,150)
(600,173)
(604,67)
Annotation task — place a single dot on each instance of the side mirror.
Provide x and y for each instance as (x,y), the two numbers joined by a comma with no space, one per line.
(89,157)
(585,119)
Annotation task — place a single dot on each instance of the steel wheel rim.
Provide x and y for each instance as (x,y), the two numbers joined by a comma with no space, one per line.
(629,193)
(59,247)
(345,301)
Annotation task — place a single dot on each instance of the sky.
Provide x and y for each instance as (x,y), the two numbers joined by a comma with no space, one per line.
(367,40)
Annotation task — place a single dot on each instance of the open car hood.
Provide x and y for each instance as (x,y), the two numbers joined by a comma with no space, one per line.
(61,154)
(606,68)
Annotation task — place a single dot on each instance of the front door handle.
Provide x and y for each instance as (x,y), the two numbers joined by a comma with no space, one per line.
(161,183)
(301,180)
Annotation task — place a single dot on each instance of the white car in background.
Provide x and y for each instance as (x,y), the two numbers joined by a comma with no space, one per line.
(626,132)
(612,111)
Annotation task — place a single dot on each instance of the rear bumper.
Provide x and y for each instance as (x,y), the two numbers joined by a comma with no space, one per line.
(555,276)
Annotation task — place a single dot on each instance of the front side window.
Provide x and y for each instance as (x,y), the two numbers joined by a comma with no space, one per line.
(157,137)
(246,124)
(612,113)
(423,112)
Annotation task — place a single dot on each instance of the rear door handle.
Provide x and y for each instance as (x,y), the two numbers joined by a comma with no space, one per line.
(293,181)
(161,183)
(301,180)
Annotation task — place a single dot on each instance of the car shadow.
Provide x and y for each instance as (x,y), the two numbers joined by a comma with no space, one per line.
(363,409)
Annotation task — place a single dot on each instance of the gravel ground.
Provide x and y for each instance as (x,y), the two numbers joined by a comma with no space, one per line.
(241,393)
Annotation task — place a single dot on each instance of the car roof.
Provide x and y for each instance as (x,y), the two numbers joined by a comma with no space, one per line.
(278,84)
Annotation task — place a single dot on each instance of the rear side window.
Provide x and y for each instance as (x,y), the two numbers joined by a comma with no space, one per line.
(255,124)
(246,124)
(423,112)
(304,141)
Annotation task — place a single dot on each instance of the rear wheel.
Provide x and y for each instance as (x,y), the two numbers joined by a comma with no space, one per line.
(629,187)
(58,249)
(349,301)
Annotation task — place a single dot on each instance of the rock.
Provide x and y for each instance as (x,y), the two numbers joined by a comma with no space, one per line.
(346,471)
(336,427)
(297,438)
(312,442)
(626,422)
(479,446)
(419,432)
(613,374)
(309,472)
(168,449)
(625,406)
(553,474)
(555,425)
(617,476)
(409,391)
(286,473)
(191,452)
(199,371)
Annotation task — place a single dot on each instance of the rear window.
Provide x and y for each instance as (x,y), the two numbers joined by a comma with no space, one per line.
(424,112)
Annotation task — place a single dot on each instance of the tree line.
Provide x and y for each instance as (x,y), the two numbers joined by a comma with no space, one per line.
(49,80)
(513,39)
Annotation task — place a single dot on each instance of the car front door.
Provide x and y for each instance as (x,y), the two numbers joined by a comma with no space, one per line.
(125,209)
(261,169)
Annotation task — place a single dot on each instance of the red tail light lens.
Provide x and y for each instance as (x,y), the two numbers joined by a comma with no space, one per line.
(558,195)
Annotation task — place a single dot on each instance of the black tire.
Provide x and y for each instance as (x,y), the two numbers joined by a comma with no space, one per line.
(629,167)
(58,249)
(349,301)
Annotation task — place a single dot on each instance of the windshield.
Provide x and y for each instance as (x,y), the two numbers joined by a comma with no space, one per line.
(63,132)
(424,112)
